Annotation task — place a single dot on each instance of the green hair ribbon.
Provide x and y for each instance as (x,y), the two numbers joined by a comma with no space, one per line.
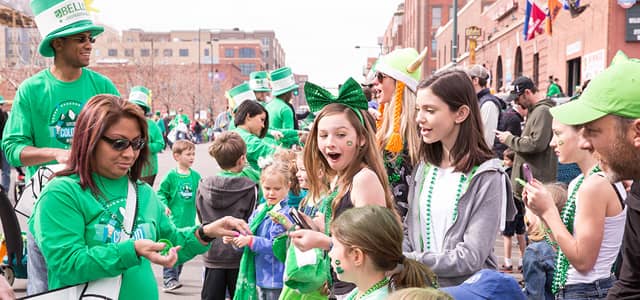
(350,95)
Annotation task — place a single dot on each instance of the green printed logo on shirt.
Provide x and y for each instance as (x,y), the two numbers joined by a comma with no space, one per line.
(186,191)
(63,120)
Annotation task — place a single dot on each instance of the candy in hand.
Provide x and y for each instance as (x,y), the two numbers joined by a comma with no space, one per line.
(167,247)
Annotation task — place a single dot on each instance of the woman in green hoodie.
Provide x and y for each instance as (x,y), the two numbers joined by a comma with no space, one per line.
(85,228)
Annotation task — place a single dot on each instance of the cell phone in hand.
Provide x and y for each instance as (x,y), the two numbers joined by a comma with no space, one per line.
(298,220)
(526,172)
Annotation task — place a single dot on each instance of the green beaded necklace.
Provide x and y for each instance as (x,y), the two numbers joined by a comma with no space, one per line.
(568,214)
(372,289)
(464,180)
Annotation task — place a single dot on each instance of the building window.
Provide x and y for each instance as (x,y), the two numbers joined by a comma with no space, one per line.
(450,12)
(434,46)
(112,52)
(228,52)
(128,52)
(247,53)
(436,16)
(183,52)
(145,52)
(536,68)
(206,52)
(167,52)
(266,41)
(246,69)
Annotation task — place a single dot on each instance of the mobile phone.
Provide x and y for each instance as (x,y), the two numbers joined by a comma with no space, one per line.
(298,220)
(526,172)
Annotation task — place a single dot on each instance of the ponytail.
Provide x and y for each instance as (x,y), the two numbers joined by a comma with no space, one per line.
(413,274)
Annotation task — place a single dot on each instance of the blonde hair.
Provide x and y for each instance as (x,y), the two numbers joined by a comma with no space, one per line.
(407,125)
(312,197)
(536,228)
(277,167)
(419,294)
(289,157)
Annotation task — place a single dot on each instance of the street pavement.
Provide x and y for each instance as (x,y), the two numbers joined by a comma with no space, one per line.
(192,272)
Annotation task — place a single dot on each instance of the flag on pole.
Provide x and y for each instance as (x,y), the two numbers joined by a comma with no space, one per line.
(553,9)
(533,19)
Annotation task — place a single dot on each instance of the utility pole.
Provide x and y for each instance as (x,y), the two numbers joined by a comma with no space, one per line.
(454,35)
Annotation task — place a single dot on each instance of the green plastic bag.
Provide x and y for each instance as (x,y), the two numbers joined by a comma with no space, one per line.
(280,247)
(306,271)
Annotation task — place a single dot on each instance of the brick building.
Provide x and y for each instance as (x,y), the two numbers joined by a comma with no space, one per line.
(579,48)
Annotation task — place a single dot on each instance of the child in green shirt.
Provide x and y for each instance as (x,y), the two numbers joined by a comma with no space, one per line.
(178,192)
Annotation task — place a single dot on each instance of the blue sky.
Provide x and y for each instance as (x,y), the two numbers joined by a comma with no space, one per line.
(318,36)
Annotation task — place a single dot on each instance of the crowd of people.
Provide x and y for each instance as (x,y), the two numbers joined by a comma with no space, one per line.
(390,189)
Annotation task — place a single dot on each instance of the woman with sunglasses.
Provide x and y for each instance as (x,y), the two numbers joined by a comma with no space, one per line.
(396,79)
(96,220)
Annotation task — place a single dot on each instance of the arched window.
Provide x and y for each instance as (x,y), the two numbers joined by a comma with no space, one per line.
(499,77)
(517,71)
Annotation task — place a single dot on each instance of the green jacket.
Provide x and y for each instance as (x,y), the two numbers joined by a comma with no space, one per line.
(178,192)
(532,147)
(256,147)
(79,235)
(282,118)
(45,110)
(156,144)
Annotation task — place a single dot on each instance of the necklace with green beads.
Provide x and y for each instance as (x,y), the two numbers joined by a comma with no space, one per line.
(568,214)
(462,184)
(380,284)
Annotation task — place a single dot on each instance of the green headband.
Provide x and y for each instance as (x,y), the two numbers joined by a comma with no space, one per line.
(350,95)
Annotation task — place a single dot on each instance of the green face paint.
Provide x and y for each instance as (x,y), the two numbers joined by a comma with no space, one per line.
(349,143)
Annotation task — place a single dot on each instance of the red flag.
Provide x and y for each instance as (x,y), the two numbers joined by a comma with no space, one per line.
(533,19)
(554,8)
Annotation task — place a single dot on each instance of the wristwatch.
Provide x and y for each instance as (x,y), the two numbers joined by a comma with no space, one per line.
(203,236)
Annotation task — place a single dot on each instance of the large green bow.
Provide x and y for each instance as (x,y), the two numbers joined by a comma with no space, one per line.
(350,94)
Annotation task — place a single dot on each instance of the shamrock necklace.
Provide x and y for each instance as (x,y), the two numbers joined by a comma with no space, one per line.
(371,290)
(432,182)
(568,214)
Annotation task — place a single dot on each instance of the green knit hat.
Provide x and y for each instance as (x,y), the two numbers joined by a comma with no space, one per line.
(282,81)
(239,94)
(615,91)
(259,81)
(141,96)
(60,18)
(403,65)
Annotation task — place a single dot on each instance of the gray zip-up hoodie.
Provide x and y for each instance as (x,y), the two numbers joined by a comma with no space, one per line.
(220,196)
(468,243)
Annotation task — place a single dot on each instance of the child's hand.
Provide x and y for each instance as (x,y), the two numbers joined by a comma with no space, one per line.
(280,218)
(227,239)
(167,211)
(242,240)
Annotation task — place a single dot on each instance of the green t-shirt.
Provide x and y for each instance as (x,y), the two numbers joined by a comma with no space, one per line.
(79,234)
(156,144)
(178,192)
(256,147)
(45,111)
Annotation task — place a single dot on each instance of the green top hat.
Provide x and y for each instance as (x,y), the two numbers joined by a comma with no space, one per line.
(60,18)
(613,92)
(282,81)
(239,94)
(259,81)
(141,96)
(403,65)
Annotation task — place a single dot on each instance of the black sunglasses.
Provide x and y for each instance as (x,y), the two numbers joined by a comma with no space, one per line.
(123,144)
(81,39)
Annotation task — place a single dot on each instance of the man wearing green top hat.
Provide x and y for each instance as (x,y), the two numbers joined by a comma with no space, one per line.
(282,116)
(608,112)
(259,83)
(46,105)
(141,96)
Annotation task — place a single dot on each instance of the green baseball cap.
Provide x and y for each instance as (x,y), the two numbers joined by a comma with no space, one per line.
(615,91)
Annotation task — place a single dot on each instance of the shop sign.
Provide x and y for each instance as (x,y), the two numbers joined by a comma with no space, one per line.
(632,33)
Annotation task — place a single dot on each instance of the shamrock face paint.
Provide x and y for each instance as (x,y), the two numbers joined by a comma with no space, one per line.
(349,143)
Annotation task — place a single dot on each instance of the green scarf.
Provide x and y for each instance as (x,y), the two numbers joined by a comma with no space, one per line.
(246,285)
